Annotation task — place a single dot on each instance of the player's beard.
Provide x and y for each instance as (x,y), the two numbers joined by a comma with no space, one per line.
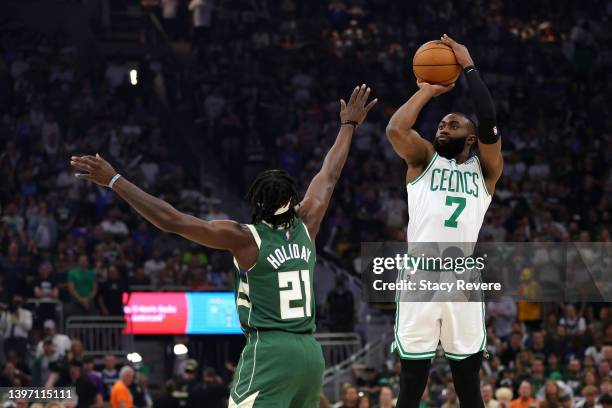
(452,147)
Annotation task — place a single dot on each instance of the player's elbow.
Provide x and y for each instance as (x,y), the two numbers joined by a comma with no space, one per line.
(393,132)
(400,138)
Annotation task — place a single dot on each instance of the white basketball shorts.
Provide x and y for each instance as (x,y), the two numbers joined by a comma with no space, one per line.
(420,326)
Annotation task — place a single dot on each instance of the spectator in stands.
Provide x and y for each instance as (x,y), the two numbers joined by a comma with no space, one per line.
(143,382)
(524,400)
(340,307)
(14,270)
(554,371)
(140,278)
(487,396)
(350,396)
(44,363)
(201,11)
(364,401)
(154,265)
(551,393)
(15,325)
(87,393)
(575,325)
(167,399)
(385,398)
(120,396)
(110,375)
(537,344)
(138,392)
(590,395)
(450,397)
(143,237)
(502,311)
(603,369)
(169,16)
(573,376)
(559,343)
(512,348)
(529,313)
(23,370)
(538,375)
(83,287)
(43,228)
(61,342)
(47,292)
(367,379)
(11,376)
(77,351)
(595,351)
(111,292)
(114,225)
(211,389)
(504,395)
(187,379)
(94,376)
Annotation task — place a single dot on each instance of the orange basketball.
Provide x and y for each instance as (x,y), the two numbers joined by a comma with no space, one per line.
(435,62)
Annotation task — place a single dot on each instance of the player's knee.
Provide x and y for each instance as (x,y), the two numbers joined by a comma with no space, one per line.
(415,369)
(466,379)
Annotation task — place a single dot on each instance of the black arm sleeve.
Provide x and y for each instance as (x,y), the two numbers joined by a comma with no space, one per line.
(485,111)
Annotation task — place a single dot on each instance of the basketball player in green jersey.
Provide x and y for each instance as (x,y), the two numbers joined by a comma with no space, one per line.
(281,365)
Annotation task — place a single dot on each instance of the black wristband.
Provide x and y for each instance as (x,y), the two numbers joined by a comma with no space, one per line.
(349,122)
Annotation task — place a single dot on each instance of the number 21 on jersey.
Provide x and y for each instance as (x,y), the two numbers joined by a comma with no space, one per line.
(291,289)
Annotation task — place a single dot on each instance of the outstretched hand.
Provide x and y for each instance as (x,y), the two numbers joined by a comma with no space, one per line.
(95,167)
(461,52)
(356,109)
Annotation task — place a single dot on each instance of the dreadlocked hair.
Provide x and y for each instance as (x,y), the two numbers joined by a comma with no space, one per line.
(270,191)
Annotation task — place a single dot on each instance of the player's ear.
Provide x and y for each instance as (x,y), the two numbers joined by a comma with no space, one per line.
(471,139)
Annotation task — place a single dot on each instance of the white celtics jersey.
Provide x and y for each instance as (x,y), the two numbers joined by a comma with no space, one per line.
(447,202)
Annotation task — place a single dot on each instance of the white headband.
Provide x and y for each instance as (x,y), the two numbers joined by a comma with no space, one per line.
(283,209)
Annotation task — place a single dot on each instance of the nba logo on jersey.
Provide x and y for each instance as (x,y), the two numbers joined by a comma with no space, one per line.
(287,235)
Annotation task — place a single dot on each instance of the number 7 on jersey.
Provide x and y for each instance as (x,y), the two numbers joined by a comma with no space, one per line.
(451,222)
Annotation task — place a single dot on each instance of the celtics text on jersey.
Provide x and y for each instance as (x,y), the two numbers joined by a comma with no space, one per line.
(447,202)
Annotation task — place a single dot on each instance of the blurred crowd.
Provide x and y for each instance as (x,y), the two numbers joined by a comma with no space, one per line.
(60,361)
(264,92)
(69,247)
(63,239)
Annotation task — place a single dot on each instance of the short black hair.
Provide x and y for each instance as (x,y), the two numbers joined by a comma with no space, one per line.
(271,190)
(473,129)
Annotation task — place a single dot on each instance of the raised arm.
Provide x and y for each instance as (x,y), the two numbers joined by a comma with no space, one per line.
(316,200)
(223,234)
(489,140)
(407,142)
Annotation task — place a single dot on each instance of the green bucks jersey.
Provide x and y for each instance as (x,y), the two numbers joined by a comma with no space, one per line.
(277,292)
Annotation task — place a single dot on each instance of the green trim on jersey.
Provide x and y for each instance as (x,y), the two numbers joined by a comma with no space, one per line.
(431,162)
(277,292)
(482,176)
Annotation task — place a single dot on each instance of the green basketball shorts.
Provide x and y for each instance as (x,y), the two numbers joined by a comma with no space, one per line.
(278,369)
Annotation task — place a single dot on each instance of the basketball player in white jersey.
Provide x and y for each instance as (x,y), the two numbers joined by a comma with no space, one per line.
(449,191)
